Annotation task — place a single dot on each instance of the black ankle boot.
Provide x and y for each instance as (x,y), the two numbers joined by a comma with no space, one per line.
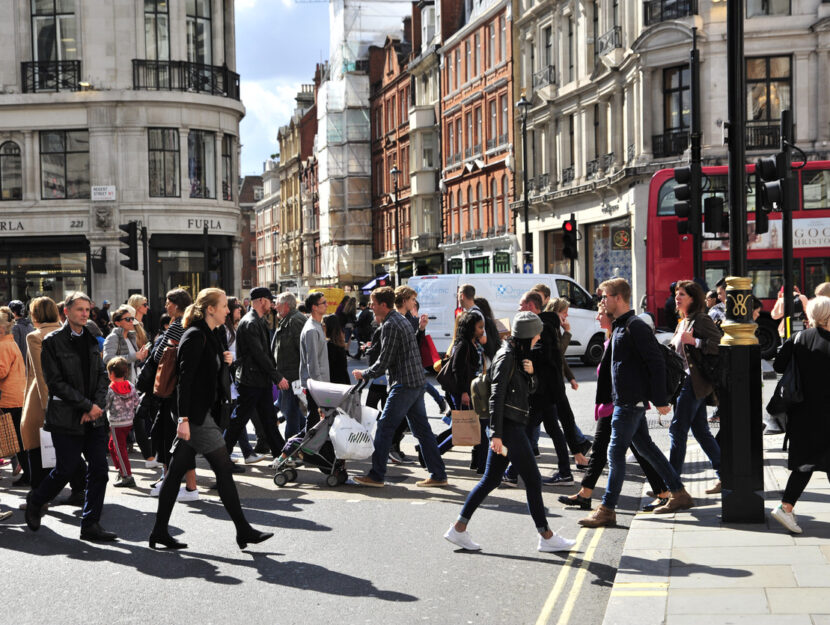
(252,537)
(165,539)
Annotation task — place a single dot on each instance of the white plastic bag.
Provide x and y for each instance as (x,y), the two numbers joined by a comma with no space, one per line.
(351,440)
(47,450)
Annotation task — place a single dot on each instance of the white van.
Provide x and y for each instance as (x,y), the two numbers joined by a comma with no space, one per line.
(438,300)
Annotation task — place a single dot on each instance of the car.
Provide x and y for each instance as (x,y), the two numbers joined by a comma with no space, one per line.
(437,297)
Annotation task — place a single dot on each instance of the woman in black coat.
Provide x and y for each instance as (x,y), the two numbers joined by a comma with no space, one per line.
(201,355)
(808,423)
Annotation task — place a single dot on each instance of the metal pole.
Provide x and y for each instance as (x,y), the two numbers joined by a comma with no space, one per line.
(736,80)
(397,238)
(145,253)
(205,271)
(526,246)
(696,160)
(790,201)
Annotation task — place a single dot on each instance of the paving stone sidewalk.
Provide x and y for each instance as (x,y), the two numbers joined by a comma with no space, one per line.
(691,569)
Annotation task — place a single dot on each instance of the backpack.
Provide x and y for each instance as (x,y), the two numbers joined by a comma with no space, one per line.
(480,391)
(675,369)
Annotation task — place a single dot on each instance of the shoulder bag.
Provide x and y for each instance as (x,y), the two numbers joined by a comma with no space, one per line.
(166,375)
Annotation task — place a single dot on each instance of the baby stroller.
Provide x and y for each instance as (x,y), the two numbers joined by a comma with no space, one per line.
(312,446)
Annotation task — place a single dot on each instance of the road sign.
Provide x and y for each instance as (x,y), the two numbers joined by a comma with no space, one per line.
(527,268)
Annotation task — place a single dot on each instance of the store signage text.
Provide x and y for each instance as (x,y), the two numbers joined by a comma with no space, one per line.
(103,193)
(199,224)
(11,226)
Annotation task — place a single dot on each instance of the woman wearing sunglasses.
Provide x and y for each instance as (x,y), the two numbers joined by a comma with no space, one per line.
(122,342)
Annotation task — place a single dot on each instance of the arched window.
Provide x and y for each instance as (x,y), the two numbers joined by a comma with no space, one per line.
(457,215)
(450,216)
(480,198)
(11,172)
(505,206)
(469,222)
(494,205)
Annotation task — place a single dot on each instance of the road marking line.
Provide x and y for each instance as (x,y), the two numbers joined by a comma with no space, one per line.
(642,584)
(639,593)
(550,602)
(579,578)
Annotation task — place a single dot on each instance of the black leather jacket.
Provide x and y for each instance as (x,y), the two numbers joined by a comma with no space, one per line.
(287,345)
(65,381)
(510,390)
(255,364)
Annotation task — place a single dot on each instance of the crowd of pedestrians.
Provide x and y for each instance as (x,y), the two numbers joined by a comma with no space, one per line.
(93,382)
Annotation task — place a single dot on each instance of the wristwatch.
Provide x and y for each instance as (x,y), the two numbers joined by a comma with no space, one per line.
(183,420)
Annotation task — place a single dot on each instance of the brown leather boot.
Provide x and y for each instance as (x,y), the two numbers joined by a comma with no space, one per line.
(601,517)
(679,500)
(716,489)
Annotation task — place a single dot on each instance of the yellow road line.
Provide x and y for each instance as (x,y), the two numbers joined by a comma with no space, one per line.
(625,585)
(550,602)
(639,593)
(573,595)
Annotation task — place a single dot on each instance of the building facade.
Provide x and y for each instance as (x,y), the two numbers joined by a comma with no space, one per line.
(250,193)
(610,103)
(477,140)
(267,212)
(112,114)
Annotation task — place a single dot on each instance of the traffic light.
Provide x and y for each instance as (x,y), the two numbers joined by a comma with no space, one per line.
(772,171)
(761,213)
(214,258)
(569,239)
(713,215)
(131,241)
(687,199)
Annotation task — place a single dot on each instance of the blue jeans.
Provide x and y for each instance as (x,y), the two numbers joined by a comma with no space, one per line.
(520,453)
(628,427)
(436,395)
(290,408)
(68,451)
(404,402)
(547,414)
(690,413)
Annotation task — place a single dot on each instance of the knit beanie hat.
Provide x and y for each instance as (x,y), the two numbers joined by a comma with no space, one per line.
(526,325)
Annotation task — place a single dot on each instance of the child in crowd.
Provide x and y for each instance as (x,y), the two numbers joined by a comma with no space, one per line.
(122,401)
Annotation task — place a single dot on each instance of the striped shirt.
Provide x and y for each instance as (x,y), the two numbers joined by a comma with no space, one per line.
(399,353)
(174,332)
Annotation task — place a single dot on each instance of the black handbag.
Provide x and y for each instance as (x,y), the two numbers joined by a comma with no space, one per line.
(788,392)
(147,376)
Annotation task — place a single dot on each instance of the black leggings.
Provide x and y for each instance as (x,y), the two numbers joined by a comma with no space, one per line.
(599,458)
(183,459)
(796,484)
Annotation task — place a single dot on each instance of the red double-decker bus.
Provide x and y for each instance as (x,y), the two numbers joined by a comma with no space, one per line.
(669,254)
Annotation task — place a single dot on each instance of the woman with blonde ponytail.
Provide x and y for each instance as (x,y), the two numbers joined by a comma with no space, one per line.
(200,392)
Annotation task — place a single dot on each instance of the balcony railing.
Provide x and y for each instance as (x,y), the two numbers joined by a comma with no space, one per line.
(477,149)
(185,76)
(591,168)
(629,153)
(544,77)
(491,143)
(656,11)
(672,143)
(468,152)
(568,175)
(607,161)
(39,76)
(610,40)
(763,136)
(503,139)
(539,182)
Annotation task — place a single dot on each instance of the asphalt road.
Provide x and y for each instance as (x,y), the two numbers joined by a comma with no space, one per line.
(351,554)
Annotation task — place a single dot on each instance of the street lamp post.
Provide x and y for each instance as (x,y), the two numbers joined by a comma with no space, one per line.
(523,104)
(395,172)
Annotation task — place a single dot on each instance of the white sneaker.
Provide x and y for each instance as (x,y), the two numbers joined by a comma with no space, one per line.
(187,495)
(254,458)
(555,543)
(787,519)
(155,489)
(151,464)
(461,539)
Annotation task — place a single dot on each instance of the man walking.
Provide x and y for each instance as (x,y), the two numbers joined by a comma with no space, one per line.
(77,383)
(314,355)
(255,373)
(401,359)
(287,356)
(632,373)
(22,326)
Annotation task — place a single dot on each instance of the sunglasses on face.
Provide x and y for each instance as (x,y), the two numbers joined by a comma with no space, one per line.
(127,319)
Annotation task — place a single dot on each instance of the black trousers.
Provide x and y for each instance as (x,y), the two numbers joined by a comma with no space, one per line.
(796,484)
(77,482)
(252,401)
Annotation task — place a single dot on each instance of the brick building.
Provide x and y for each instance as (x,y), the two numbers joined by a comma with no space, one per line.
(250,192)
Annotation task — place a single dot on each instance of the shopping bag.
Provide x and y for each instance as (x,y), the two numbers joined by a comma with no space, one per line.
(9,445)
(429,355)
(351,439)
(299,392)
(47,450)
(466,428)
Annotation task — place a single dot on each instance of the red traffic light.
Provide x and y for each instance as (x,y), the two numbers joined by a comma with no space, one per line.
(569,226)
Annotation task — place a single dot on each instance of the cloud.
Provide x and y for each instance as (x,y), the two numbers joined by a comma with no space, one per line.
(269,104)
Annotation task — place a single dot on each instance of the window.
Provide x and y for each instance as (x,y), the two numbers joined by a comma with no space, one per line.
(469,63)
(494,204)
(199,34)
(480,227)
(11,172)
(469,137)
(571,141)
(595,31)
(427,26)
(427,161)
(450,81)
(504,113)
(676,98)
(547,58)
(755,8)
(458,139)
(201,163)
(571,49)
(505,206)
(54,31)
(815,188)
(393,108)
(491,48)
(768,88)
(503,42)
(577,296)
(156,30)
(457,66)
(450,216)
(468,223)
(64,164)
(477,55)
(163,153)
(451,141)
(478,128)
(493,129)
(227,170)
(615,12)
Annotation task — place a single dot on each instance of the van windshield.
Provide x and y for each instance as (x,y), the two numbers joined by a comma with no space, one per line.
(575,294)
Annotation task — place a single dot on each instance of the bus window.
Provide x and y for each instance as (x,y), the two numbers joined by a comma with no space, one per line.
(816,271)
(574,294)
(768,277)
(713,272)
(665,199)
(815,188)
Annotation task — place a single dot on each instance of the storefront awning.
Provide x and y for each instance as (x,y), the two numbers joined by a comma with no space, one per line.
(374,283)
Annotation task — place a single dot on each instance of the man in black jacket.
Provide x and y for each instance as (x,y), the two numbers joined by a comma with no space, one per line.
(632,374)
(256,372)
(77,382)
(286,347)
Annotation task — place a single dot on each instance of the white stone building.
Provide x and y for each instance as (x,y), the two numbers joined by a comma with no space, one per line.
(608,82)
(268,228)
(112,112)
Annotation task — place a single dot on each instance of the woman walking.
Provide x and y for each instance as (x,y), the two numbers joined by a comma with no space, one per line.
(200,357)
(122,341)
(13,386)
(808,423)
(696,336)
(513,382)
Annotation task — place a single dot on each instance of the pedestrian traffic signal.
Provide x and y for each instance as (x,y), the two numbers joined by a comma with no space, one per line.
(131,241)
(569,239)
(761,212)
(214,259)
(713,222)
(687,199)
(772,191)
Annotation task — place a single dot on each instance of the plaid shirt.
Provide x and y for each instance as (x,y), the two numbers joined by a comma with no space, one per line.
(399,353)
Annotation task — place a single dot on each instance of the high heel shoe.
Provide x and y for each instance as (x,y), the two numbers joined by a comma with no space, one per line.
(252,537)
(167,540)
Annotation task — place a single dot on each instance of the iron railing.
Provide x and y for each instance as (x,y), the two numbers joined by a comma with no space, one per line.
(39,76)
(544,77)
(568,175)
(610,40)
(629,153)
(185,76)
(671,143)
(503,139)
(607,161)
(656,11)
(591,168)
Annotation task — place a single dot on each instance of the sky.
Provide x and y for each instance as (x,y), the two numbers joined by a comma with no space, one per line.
(278,44)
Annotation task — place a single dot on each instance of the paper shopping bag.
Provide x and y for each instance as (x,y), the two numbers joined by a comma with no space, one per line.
(466,429)
(47,450)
